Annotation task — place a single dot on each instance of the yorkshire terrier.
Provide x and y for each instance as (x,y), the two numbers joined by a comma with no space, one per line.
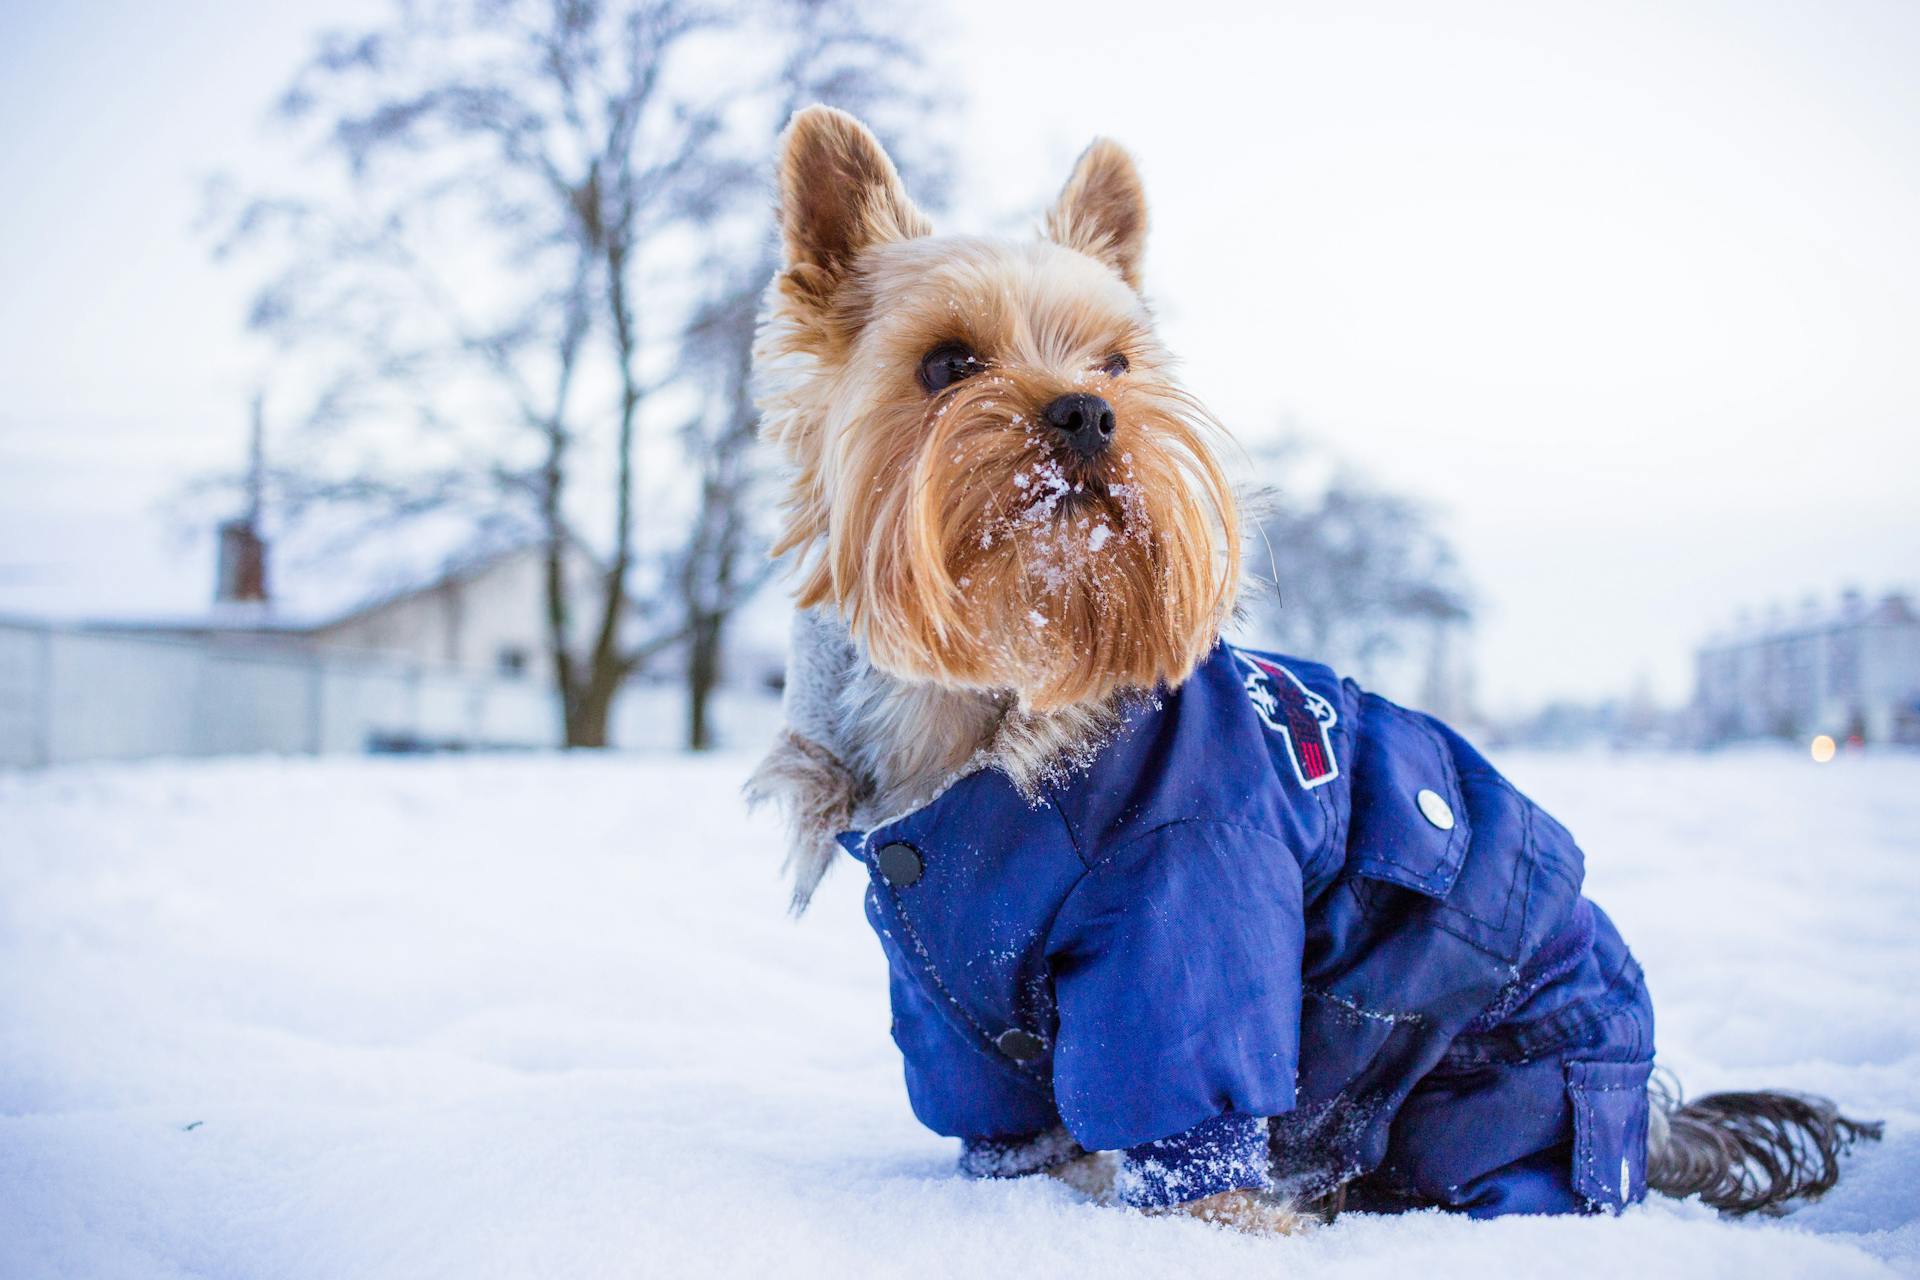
(1196,928)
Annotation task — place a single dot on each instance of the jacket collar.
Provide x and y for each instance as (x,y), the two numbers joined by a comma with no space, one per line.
(862,748)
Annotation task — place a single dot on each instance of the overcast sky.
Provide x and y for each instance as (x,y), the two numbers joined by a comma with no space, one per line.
(1630,293)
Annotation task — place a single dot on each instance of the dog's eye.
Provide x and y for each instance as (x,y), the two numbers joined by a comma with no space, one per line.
(1115,365)
(947,364)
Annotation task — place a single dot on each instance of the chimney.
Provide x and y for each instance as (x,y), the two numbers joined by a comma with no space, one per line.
(241,574)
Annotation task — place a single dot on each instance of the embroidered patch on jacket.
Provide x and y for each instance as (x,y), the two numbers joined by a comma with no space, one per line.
(1295,712)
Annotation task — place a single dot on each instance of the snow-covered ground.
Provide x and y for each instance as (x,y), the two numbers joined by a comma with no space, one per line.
(542,1017)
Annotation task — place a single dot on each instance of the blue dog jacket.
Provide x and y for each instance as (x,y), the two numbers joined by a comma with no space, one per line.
(1278,931)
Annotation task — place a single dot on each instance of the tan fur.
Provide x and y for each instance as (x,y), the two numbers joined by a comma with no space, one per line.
(1091,1175)
(839,194)
(1247,1211)
(1256,1213)
(1102,212)
(926,519)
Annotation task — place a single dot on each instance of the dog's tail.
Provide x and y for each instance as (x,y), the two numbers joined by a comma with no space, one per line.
(1747,1152)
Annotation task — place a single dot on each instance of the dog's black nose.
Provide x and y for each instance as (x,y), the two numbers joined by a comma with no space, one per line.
(1085,422)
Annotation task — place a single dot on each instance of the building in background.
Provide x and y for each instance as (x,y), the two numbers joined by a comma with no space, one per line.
(459,661)
(1851,671)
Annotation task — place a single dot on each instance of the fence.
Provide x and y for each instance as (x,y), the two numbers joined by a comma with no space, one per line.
(72,693)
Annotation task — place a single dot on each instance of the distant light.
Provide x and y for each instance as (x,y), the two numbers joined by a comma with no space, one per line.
(1822,749)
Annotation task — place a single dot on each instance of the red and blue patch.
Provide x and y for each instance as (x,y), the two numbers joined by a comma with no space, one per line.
(1297,713)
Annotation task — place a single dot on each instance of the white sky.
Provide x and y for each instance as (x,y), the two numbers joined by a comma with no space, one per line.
(1630,292)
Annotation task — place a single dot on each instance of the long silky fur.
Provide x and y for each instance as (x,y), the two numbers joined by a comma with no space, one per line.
(1752,1152)
(819,795)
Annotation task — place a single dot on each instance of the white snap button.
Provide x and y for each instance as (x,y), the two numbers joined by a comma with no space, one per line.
(1435,809)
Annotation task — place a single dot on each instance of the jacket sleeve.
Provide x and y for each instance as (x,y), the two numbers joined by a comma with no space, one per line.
(1226,1153)
(1176,966)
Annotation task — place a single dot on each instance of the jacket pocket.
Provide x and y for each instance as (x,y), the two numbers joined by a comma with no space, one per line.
(1409,817)
(1609,1131)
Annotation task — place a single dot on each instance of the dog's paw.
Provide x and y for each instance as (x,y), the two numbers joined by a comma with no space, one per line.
(1253,1212)
(1091,1175)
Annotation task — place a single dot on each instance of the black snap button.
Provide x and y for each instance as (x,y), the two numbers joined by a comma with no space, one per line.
(900,864)
(1021,1046)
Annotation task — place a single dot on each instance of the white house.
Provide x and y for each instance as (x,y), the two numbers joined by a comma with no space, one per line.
(485,616)
(460,661)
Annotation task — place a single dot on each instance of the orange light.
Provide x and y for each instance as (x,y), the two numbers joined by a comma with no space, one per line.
(1822,749)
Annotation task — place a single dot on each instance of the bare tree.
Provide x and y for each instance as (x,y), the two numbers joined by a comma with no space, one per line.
(839,52)
(538,195)
(1361,574)
(717,571)
(508,165)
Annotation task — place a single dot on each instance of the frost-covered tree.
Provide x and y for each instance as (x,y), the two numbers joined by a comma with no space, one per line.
(509,277)
(1361,575)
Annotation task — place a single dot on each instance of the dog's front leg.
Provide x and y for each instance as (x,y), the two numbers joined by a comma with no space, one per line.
(1253,1212)
(1091,1174)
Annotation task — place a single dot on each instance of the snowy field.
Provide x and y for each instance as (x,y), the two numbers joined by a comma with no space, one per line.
(537,1017)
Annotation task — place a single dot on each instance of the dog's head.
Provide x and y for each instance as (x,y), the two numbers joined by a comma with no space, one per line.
(995,478)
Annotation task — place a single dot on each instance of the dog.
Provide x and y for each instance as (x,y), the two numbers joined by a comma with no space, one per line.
(1196,928)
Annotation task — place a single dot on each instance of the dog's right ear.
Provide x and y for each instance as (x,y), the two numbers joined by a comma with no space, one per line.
(839,195)
(1103,210)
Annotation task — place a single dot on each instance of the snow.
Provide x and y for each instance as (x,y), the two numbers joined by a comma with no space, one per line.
(519,1016)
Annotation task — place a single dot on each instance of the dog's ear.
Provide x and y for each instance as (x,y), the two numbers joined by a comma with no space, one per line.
(839,194)
(1102,212)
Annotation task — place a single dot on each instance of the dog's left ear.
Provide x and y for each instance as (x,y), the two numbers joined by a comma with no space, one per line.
(1102,212)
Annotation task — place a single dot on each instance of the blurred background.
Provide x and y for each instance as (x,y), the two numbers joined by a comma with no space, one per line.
(376,376)
(373,385)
